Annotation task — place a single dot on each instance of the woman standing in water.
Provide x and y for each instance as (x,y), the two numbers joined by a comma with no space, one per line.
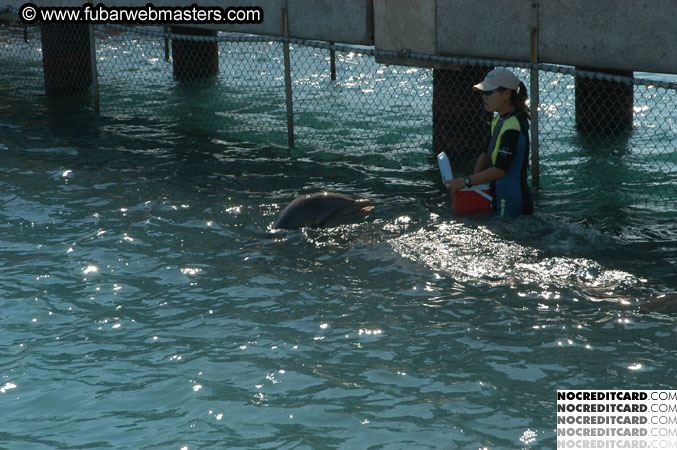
(505,160)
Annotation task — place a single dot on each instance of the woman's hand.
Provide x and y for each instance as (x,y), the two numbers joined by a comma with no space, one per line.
(455,185)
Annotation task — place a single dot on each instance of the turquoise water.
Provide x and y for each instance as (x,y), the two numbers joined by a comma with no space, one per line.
(146,303)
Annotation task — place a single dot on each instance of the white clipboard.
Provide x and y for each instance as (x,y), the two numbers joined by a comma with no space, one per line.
(445,167)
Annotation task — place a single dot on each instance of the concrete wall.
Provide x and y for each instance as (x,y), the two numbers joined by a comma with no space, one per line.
(346,21)
(405,24)
(639,35)
(636,35)
(486,29)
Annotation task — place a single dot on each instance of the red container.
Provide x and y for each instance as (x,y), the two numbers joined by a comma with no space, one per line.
(469,201)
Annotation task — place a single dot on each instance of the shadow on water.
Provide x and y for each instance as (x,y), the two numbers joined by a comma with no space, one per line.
(596,180)
(62,112)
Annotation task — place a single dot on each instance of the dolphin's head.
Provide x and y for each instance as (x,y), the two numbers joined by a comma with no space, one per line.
(348,210)
(665,303)
(325,209)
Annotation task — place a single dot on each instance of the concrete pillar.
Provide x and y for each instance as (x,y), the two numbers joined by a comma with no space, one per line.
(194,60)
(66,58)
(460,124)
(603,107)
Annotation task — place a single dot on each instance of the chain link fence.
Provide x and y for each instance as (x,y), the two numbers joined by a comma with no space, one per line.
(348,107)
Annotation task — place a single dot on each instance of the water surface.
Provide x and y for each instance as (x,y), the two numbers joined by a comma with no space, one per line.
(146,303)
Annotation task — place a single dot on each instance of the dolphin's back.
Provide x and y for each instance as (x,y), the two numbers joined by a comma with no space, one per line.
(312,210)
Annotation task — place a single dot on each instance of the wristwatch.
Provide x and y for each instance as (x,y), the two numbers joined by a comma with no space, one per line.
(467,182)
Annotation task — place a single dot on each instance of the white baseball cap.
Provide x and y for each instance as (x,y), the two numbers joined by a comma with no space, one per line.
(499,78)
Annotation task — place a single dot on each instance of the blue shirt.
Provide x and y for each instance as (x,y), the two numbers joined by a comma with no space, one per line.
(510,152)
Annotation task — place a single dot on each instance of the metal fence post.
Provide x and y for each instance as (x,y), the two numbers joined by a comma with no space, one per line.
(167,29)
(287,81)
(535,156)
(95,73)
(332,62)
(535,99)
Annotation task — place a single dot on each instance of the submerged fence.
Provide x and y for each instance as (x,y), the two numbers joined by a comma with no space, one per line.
(345,103)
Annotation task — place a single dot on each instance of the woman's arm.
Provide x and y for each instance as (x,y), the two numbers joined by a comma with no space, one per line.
(482,162)
(485,176)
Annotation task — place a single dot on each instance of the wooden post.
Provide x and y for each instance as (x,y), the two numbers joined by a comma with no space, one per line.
(194,60)
(460,124)
(604,107)
(66,58)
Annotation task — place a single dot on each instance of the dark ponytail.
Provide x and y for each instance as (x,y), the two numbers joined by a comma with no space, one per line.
(519,99)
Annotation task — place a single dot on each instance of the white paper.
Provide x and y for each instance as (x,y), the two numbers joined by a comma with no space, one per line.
(445,167)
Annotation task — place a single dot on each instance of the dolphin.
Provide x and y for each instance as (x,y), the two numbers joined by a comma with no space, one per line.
(323,209)
(664,303)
